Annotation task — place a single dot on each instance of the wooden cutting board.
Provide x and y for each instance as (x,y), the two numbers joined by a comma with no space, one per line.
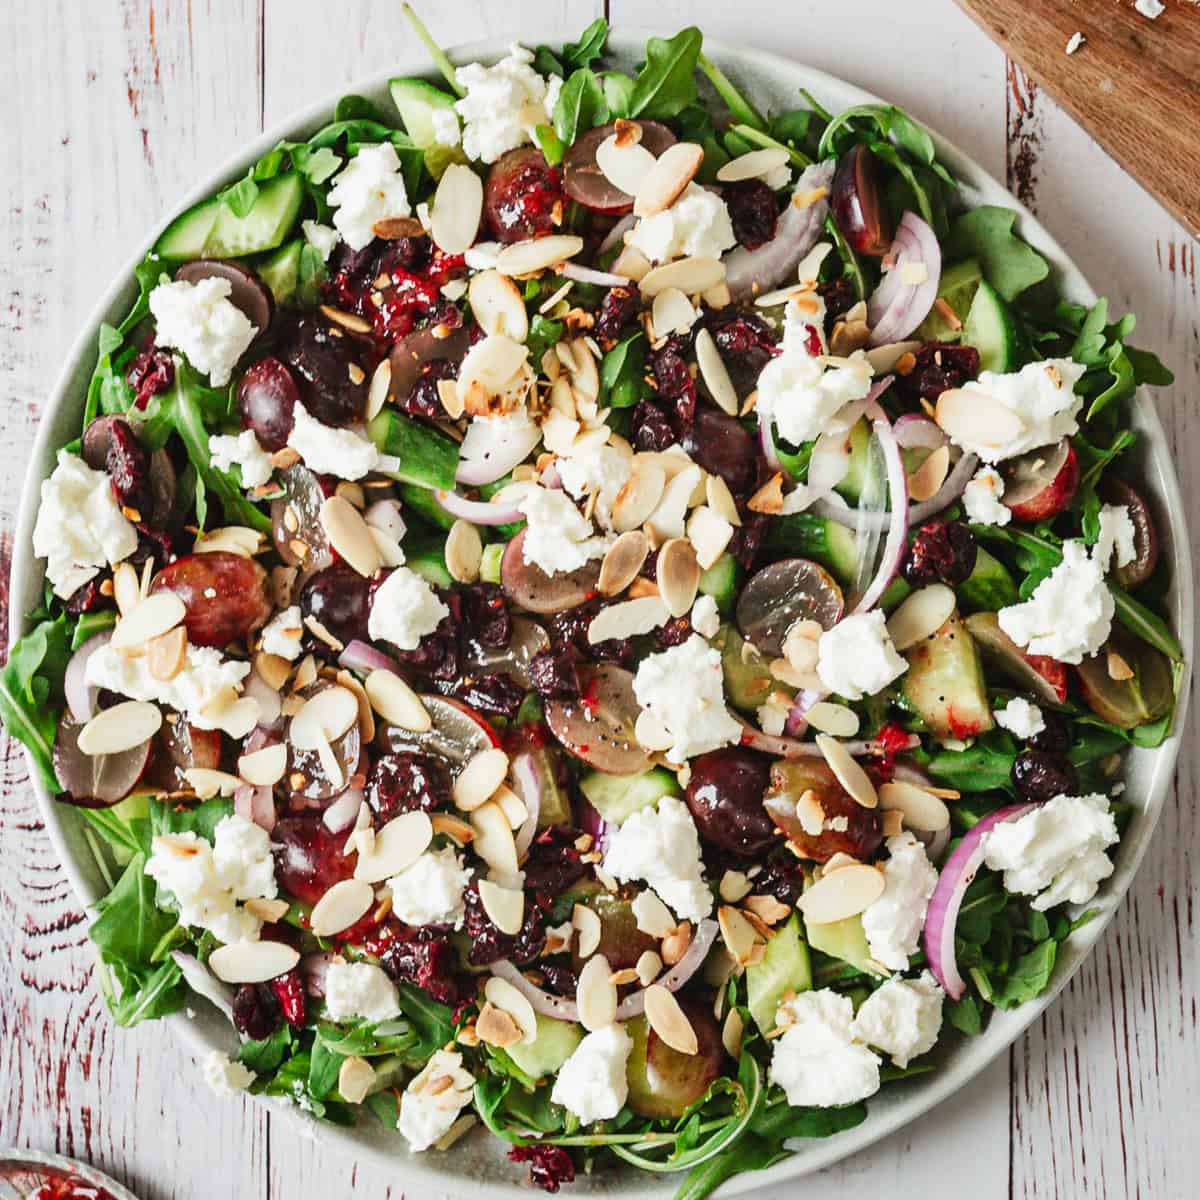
(1134,85)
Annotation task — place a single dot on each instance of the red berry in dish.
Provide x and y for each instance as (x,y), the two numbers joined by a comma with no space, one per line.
(522,197)
(1041,484)
(266,398)
(225,596)
(859,204)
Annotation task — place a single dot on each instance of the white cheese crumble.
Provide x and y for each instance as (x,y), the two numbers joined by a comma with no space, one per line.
(369,188)
(1075,41)
(322,238)
(1020,718)
(430,890)
(223,1076)
(705,618)
(283,633)
(1150,8)
(428,1107)
(1117,536)
(981,498)
(201,321)
(902,1017)
(684,688)
(592,1083)
(1055,850)
(856,657)
(817,1060)
(893,923)
(329,451)
(503,104)
(603,471)
(660,846)
(446,129)
(80,526)
(558,537)
(1070,613)
(359,989)
(241,450)
(1041,395)
(404,609)
(696,225)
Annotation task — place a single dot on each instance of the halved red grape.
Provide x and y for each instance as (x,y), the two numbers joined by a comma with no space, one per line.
(100,781)
(598,727)
(725,798)
(790,779)
(308,775)
(663,1082)
(621,941)
(1042,675)
(296,525)
(308,857)
(179,746)
(330,368)
(266,398)
(457,734)
(583,180)
(722,447)
(1145,534)
(247,291)
(522,197)
(775,598)
(1040,484)
(859,203)
(1145,696)
(530,588)
(225,596)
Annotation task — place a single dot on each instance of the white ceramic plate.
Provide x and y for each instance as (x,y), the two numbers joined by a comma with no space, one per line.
(772,82)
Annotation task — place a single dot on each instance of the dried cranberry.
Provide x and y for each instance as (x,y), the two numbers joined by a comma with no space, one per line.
(839,296)
(485,615)
(1041,775)
(651,427)
(554,864)
(489,945)
(328,368)
(150,373)
(746,342)
(438,654)
(401,782)
(618,309)
(338,598)
(549,1166)
(939,366)
(674,633)
(497,695)
(942,550)
(289,991)
(428,961)
(748,539)
(553,675)
(86,598)
(128,464)
(752,210)
(559,979)
(672,378)
(256,1011)
(424,400)
(522,197)
(266,398)
(568,630)
(782,876)
(1056,737)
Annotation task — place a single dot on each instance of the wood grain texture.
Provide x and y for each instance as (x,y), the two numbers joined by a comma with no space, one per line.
(118,106)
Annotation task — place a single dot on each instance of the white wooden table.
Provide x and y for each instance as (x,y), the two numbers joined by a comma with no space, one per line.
(114,107)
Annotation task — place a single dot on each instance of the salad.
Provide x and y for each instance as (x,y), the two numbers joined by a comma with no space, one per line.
(585,608)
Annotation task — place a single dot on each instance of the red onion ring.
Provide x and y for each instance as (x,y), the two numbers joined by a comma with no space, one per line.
(529,787)
(256,804)
(896,308)
(79,694)
(616,234)
(343,812)
(893,547)
(580,274)
(915,431)
(363,657)
(786,747)
(492,447)
(478,512)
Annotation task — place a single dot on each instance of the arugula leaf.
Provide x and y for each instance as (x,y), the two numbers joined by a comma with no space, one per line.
(981,768)
(781,1121)
(623,372)
(1030,976)
(666,84)
(433,1023)
(323,1066)
(590,45)
(31,691)
(580,106)
(964,1015)
(369,1041)
(696,125)
(1010,264)
(552,147)
(543,333)
(748,1153)
(740,108)
(618,93)
(264,1056)
(201,819)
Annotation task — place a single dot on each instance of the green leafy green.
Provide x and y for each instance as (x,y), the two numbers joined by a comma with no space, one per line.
(543,333)
(1010,264)
(742,110)
(580,106)
(590,45)
(666,84)
(623,372)
(31,693)
(265,1056)
(618,93)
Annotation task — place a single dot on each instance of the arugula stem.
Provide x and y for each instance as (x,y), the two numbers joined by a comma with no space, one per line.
(438,55)
(759,138)
(738,105)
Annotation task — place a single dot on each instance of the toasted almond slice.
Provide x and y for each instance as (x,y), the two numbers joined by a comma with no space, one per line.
(891,823)
(715,374)
(504,906)
(753,165)
(709,534)
(452,402)
(148,619)
(480,777)
(841,894)
(494,840)
(512,805)
(672,312)
(653,916)
(272,669)
(264,767)
(648,966)
(639,496)
(512,1000)
(206,782)
(921,615)
(884,358)
(810,813)
(834,719)
(767,909)
(675,944)
(850,775)
(349,900)
(346,320)
(667,520)
(495,1027)
(127,591)
(397,845)
(324,717)
(457,208)
(121,727)
(167,653)
(538,254)
(453,827)
(497,306)
(366,718)
(720,499)
(689,275)
(596,994)
(1118,669)
(252,962)
(396,702)
(668,1020)
(267,910)
(624,163)
(628,618)
(678,575)
(737,933)
(732,1032)
(350,535)
(356,1078)
(631,263)
(734,886)
(922,811)
(587,923)
(622,562)
(930,475)
(972,418)
(769,498)
(666,180)
(377,393)
(463,552)
(651,733)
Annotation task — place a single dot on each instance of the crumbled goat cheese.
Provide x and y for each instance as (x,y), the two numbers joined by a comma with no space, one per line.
(856,657)
(430,891)
(902,1018)
(1150,8)
(893,923)
(684,688)
(660,846)
(1117,536)
(705,618)
(1055,850)
(203,690)
(558,537)
(1075,41)
(201,321)
(428,1107)
(772,715)
(404,609)
(80,526)
(225,1077)
(503,104)
(603,471)
(283,634)
(369,188)
(1020,718)
(981,498)
(1041,395)
(329,451)
(242,857)
(1070,613)
(696,225)
(592,1083)
(446,129)
(359,989)
(241,450)
(817,1060)
(322,238)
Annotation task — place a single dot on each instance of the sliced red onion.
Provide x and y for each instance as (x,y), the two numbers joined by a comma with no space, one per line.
(343,812)
(256,804)
(313,968)
(580,274)
(203,982)
(557,1008)
(766,439)
(616,234)
(478,512)
(893,547)
(896,308)
(80,696)
(591,822)
(493,446)
(797,718)
(786,747)
(915,431)
(363,657)
(385,516)
(935,843)
(529,787)
(956,876)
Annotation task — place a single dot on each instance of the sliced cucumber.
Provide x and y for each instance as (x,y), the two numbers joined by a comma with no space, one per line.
(720,582)
(806,535)
(957,288)
(187,235)
(856,476)
(427,557)
(845,940)
(944,683)
(784,968)
(426,457)
(748,679)
(553,1043)
(617,797)
(280,270)
(416,100)
(489,566)
(989,327)
(421,500)
(264,227)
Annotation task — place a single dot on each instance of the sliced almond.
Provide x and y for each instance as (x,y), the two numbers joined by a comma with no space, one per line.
(366,718)
(675,944)
(715,374)
(921,615)
(452,402)
(689,275)
(480,777)
(457,208)
(494,841)
(149,618)
(922,811)
(511,1000)
(377,393)
(397,845)
(732,1032)
(127,591)
(678,575)
(930,475)
(849,774)
(649,967)
(494,376)
(631,263)
(651,733)
(666,180)
(753,165)
(672,312)
(639,496)
(346,320)
(667,520)
(324,717)
(841,894)
(455,828)
(734,886)
(167,653)
(884,358)
(504,906)
(737,933)
(538,254)
(624,163)
(596,994)
(350,535)
(669,1021)
(972,418)
(264,767)
(348,901)
(769,498)
(497,306)
(587,924)
(121,727)
(396,702)
(891,823)
(834,719)
(267,910)
(495,1027)
(207,782)
(767,909)
(709,534)
(1118,669)
(652,915)
(356,1078)
(720,499)
(463,552)
(628,618)
(252,962)
(622,562)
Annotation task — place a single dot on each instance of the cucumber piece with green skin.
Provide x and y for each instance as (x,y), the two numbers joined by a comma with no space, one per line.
(422,501)
(785,967)
(957,288)
(427,557)
(426,457)
(748,678)
(856,474)
(990,328)
(213,230)
(489,565)
(186,236)
(617,797)
(280,270)
(944,683)
(990,587)
(416,100)
(845,940)
(721,581)
(553,1043)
